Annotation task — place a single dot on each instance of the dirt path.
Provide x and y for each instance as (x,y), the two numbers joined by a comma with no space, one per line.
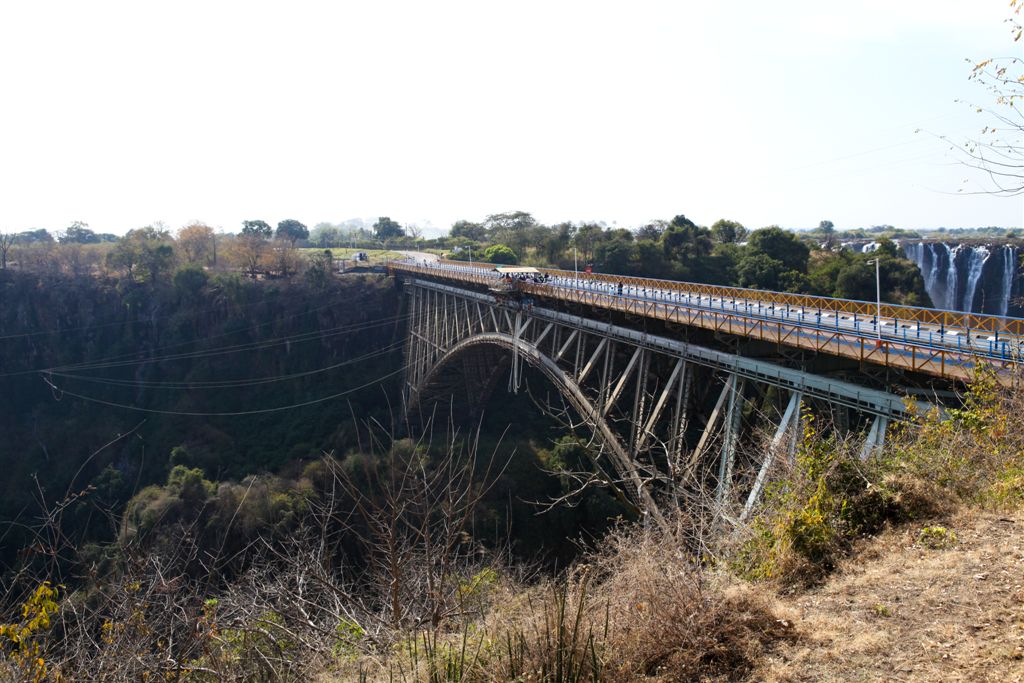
(901,611)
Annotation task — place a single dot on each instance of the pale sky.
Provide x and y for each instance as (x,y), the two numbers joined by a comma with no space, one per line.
(120,114)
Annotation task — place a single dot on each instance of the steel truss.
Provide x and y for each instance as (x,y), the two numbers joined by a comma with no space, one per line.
(667,414)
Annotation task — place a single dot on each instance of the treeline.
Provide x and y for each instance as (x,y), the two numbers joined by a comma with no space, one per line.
(152,254)
(726,253)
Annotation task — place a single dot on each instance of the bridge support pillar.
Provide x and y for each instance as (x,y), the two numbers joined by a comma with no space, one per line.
(733,420)
(876,437)
(788,424)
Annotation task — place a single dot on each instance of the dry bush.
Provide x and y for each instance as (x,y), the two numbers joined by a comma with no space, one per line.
(673,620)
(639,610)
(973,454)
(814,508)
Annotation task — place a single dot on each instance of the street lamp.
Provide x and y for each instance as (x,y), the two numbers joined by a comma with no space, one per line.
(878,298)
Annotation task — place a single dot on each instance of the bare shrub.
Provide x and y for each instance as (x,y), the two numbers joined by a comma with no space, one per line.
(815,507)
(972,454)
(640,609)
(672,619)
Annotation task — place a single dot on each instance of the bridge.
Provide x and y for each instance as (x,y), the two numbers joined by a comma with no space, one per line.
(685,386)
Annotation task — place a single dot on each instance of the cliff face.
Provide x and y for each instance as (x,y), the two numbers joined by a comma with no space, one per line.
(980,278)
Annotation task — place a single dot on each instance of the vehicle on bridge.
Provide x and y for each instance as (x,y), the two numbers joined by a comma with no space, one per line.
(508,276)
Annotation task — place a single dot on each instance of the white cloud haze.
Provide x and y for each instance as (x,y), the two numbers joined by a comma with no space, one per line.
(123,113)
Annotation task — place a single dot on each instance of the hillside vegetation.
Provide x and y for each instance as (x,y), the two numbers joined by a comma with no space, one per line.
(207,477)
(373,567)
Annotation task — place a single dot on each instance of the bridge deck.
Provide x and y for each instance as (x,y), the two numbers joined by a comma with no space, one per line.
(945,344)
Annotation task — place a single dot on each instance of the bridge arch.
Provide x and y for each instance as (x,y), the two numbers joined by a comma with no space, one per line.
(566,385)
(653,402)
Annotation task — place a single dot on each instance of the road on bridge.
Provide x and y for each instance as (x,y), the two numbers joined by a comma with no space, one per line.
(924,338)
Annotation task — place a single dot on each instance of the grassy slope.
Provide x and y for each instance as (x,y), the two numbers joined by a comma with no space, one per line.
(900,610)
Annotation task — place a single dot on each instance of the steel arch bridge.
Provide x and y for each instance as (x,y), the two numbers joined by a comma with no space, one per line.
(666,413)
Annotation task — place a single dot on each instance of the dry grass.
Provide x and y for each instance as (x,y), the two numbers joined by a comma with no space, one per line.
(899,610)
(640,610)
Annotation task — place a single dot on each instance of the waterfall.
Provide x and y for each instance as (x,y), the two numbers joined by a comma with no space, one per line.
(933,280)
(966,277)
(952,252)
(1009,275)
(976,259)
(929,262)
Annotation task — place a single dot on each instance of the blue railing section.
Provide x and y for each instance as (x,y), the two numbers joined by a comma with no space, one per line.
(988,345)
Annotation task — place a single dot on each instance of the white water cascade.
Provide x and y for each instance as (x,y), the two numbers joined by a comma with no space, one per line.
(952,277)
(975,264)
(968,277)
(1009,275)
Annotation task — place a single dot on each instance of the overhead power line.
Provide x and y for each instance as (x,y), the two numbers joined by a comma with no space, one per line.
(128,359)
(62,392)
(235,348)
(223,384)
(95,326)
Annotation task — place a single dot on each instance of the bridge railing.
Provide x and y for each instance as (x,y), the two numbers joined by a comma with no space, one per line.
(969,322)
(915,355)
(958,363)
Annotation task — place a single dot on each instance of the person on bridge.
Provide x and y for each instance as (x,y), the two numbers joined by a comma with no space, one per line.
(619,289)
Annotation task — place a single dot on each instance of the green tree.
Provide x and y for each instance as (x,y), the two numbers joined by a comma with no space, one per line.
(189,484)
(474,232)
(511,228)
(781,245)
(320,270)
(292,231)
(144,254)
(190,280)
(79,233)
(651,231)
(39,235)
(257,228)
(585,239)
(824,268)
(500,253)
(760,271)
(685,246)
(556,242)
(727,232)
(325,235)
(856,281)
(387,229)
(616,254)
(650,260)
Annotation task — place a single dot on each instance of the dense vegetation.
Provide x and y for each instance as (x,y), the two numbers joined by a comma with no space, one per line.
(155,369)
(207,476)
(726,253)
